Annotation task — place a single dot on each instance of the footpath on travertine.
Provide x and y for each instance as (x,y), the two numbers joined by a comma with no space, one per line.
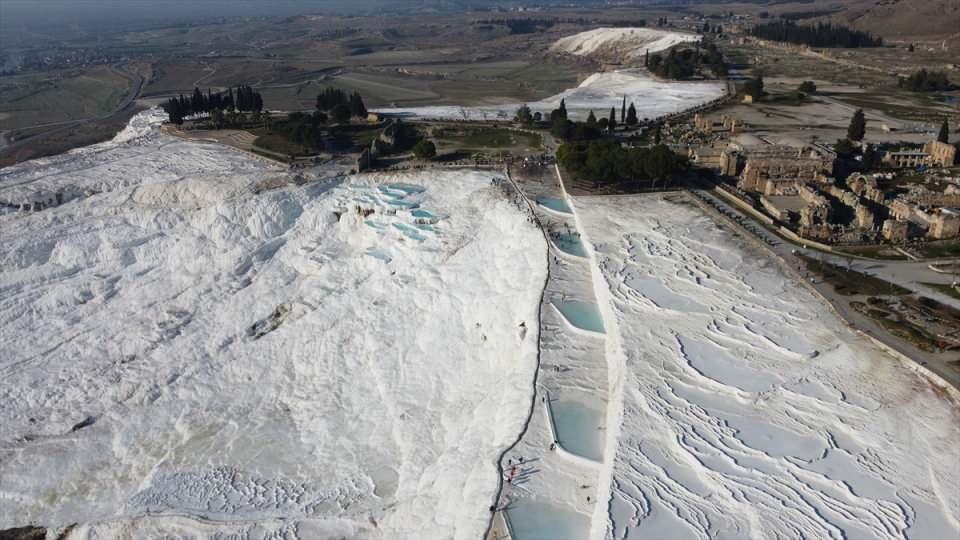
(556,476)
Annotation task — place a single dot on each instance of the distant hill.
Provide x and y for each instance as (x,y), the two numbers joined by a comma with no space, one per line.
(904,19)
(894,20)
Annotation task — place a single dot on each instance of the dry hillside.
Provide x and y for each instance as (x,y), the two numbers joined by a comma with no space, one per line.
(905,19)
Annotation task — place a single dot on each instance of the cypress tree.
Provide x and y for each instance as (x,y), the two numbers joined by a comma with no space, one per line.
(623,110)
(563,108)
(858,126)
(631,116)
(612,122)
(944,135)
(591,119)
(196,102)
(357,108)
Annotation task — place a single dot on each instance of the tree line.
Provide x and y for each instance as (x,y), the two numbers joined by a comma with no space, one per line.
(926,81)
(339,106)
(586,153)
(824,35)
(607,162)
(245,99)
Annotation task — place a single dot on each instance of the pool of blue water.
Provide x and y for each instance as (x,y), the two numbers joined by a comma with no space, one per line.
(407,188)
(422,214)
(378,254)
(583,315)
(403,203)
(374,225)
(579,428)
(410,232)
(557,205)
(530,520)
(570,244)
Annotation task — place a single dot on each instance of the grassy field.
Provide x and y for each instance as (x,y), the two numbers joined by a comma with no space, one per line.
(479,138)
(945,289)
(48,98)
(940,250)
(917,321)
(851,283)
(281,145)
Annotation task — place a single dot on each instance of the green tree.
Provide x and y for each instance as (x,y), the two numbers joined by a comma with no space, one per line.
(340,113)
(844,148)
(524,116)
(944,135)
(808,87)
(612,121)
(197,102)
(591,119)
(357,108)
(754,87)
(858,126)
(425,150)
(632,116)
(561,128)
(657,135)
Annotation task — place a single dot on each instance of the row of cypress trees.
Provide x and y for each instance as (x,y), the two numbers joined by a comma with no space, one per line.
(245,99)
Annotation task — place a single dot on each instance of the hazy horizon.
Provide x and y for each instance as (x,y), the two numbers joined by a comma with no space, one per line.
(122,15)
(98,14)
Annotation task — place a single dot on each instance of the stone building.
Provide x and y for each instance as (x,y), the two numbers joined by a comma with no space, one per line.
(729,162)
(707,157)
(900,209)
(944,223)
(780,170)
(817,211)
(941,154)
(933,154)
(863,217)
(903,159)
(705,124)
(866,187)
(896,230)
(928,198)
(782,208)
